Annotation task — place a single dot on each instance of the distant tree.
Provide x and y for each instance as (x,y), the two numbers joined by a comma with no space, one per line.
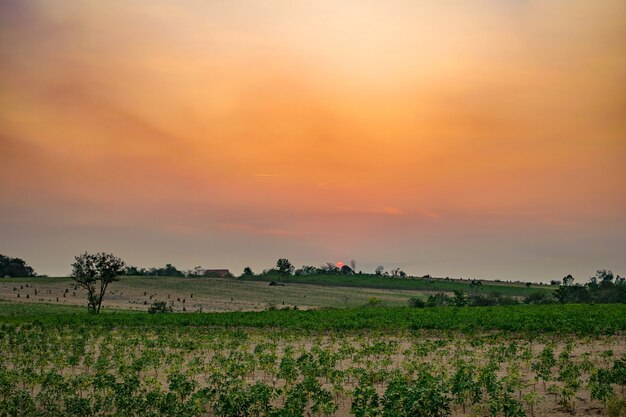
(568,280)
(604,276)
(14,267)
(379,270)
(330,269)
(135,271)
(283,266)
(307,270)
(169,270)
(198,271)
(94,273)
(247,272)
(353,265)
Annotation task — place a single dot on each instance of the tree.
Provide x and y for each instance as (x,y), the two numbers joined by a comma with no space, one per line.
(169,270)
(379,270)
(283,266)
(605,277)
(198,271)
(94,273)
(14,267)
(568,280)
(247,272)
(353,265)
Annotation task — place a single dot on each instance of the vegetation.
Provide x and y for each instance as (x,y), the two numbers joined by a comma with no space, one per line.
(568,319)
(604,287)
(464,348)
(461,299)
(139,364)
(15,267)
(94,273)
(168,270)
(406,283)
(158,307)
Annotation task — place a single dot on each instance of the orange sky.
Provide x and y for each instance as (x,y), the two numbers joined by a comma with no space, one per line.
(485,139)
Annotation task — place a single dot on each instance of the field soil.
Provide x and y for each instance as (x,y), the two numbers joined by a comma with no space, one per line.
(199,294)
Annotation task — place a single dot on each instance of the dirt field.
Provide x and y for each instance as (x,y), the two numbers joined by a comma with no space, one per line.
(228,363)
(195,294)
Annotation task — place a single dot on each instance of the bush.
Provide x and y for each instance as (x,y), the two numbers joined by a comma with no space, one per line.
(483,301)
(416,302)
(537,298)
(492,300)
(438,300)
(158,307)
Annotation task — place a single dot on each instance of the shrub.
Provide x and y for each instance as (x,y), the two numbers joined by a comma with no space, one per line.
(374,302)
(158,307)
(438,300)
(416,302)
(537,298)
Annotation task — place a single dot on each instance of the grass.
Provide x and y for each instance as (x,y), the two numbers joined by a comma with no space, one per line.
(410,284)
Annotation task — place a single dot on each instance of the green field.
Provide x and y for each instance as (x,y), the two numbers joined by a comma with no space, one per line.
(510,361)
(577,319)
(413,284)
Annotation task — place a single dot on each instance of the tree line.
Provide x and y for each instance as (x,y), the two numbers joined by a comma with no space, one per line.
(95,272)
(15,267)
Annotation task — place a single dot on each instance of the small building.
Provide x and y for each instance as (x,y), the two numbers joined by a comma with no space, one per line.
(217,273)
(345,269)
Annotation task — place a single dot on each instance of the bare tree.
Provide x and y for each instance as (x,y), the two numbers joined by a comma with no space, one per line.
(94,272)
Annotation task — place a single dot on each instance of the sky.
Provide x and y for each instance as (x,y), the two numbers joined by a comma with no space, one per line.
(482,139)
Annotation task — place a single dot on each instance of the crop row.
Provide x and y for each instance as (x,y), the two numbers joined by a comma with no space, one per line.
(150,371)
(566,319)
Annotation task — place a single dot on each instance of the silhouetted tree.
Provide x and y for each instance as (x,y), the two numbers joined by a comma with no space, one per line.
(247,272)
(94,273)
(330,269)
(14,267)
(568,280)
(283,266)
(169,270)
